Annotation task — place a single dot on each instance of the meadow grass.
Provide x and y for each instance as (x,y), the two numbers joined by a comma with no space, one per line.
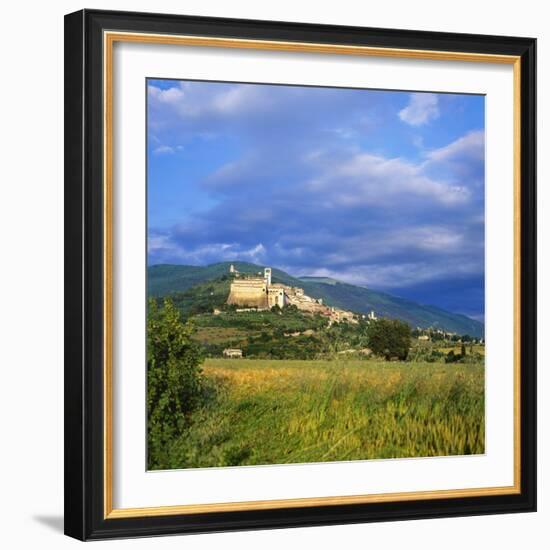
(277,412)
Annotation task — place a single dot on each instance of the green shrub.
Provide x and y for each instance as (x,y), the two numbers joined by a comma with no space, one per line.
(174,382)
(452,357)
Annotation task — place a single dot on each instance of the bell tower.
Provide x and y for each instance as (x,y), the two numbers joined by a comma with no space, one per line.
(267,276)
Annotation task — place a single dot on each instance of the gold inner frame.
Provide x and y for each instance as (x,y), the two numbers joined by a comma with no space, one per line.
(109,39)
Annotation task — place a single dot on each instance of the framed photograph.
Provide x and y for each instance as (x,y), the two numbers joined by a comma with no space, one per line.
(300,274)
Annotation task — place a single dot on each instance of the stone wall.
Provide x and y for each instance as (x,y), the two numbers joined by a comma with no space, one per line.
(248,292)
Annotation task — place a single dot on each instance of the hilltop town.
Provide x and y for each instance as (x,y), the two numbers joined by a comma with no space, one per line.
(246,310)
(258,292)
(198,289)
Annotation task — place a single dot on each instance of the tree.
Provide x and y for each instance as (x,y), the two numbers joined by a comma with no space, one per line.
(389,338)
(174,383)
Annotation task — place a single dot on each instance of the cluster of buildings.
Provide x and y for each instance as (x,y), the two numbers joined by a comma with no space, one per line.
(431,334)
(260,293)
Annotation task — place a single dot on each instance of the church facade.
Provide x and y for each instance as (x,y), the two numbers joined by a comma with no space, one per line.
(255,291)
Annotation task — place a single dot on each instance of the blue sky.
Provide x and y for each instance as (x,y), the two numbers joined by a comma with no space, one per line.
(377,188)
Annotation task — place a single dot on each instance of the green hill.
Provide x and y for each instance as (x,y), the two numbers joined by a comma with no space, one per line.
(169,279)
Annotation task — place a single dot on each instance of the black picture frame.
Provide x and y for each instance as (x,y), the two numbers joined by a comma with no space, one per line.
(84,282)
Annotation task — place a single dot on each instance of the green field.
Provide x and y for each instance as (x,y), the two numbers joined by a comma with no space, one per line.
(283,411)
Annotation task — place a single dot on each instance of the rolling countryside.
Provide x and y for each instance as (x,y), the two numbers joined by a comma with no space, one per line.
(165,280)
(306,388)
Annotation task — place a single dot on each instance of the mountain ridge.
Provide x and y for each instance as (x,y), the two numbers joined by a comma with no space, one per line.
(165,279)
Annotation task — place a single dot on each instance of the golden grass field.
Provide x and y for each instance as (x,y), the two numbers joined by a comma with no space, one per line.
(276,412)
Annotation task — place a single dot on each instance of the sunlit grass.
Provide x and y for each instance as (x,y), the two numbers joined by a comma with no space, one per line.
(276,412)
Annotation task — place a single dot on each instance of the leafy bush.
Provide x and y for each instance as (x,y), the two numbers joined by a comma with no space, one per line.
(174,382)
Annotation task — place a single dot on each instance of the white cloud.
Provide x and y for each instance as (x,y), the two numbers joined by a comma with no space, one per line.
(421,109)
(468,147)
(344,133)
(164,248)
(225,251)
(430,238)
(169,96)
(167,149)
(164,150)
(240,99)
(235,173)
(195,102)
(366,179)
(464,158)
